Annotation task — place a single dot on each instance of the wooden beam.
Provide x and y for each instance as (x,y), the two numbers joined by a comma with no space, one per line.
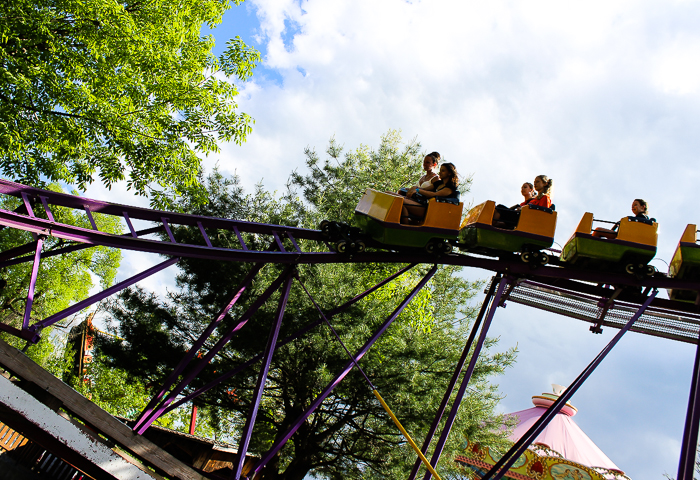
(23,367)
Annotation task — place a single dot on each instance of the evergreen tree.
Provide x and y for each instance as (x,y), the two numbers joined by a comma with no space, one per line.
(350,435)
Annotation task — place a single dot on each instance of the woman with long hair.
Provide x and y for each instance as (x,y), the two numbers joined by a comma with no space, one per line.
(446,187)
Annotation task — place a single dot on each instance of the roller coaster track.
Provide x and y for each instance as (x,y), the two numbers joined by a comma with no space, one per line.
(617,300)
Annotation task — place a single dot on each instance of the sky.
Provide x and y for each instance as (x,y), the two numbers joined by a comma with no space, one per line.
(601,96)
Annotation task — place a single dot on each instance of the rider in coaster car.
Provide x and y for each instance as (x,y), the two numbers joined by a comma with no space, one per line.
(505,217)
(640,210)
(414,210)
(430,165)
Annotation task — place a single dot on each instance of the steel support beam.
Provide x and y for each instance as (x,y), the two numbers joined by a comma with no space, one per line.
(689,446)
(453,380)
(507,461)
(282,440)
(170,380)
(102,295)
(467,376)
(284,342)
(262,377)
(146,419)
(32,283)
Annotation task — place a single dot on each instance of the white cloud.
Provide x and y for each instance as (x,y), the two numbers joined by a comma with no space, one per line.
(601,96)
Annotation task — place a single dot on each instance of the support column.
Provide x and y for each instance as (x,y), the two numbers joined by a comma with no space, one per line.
(32,283)
(281,343)
(686,464)
(455,377)
(507,461)
(465,381)
(257,394)
(147,420)
(280,442)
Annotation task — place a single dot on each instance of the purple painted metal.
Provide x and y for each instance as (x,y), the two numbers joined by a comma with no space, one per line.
(440,445)
(507,461)
(60,251)
(170,380)
(16,251)
(686,463)
(167,229)
(204,234)
(105,208)
(44,202)
(294,242)
(90,217)
(279,443)
(337,337)
(147,420)
(262,377)
(47,322)
(514,267)
(453,381)
(278,241)
(125,214)
(24,334)
(240,238)
(32,283)
(27,204)
(284,342)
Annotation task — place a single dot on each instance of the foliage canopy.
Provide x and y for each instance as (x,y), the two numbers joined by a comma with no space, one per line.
(117,90)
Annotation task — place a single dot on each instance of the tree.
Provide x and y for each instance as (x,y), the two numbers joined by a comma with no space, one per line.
(350,435)
(117,89)
(61,279)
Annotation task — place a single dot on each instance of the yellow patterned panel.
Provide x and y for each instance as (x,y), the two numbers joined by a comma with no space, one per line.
(638,232)
(537,222)
(443,215)
(380,205)
(482,213)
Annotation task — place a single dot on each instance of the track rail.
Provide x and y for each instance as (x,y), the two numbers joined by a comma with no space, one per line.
(601,298)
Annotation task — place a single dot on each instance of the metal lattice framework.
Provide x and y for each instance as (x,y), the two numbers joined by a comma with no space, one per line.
(621,301)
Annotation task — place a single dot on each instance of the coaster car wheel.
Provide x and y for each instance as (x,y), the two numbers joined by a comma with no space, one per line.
(650,270)
(360,246)
(341,246)
(630,268)
(526,257)
(543,258)
(446,247)
(430,247)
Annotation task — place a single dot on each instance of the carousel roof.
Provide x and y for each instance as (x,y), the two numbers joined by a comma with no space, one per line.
(562,434)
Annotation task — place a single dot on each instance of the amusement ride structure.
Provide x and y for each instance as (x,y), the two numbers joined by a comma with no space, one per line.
(603,281)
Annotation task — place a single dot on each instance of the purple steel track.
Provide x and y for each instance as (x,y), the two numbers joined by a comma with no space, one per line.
(286,248)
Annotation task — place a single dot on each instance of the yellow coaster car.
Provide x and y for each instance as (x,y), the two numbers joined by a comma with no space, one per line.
(533,232)
(630,248)
(379,213)
(686,264)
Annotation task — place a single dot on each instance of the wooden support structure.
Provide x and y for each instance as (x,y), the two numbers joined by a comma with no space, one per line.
(97,419)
